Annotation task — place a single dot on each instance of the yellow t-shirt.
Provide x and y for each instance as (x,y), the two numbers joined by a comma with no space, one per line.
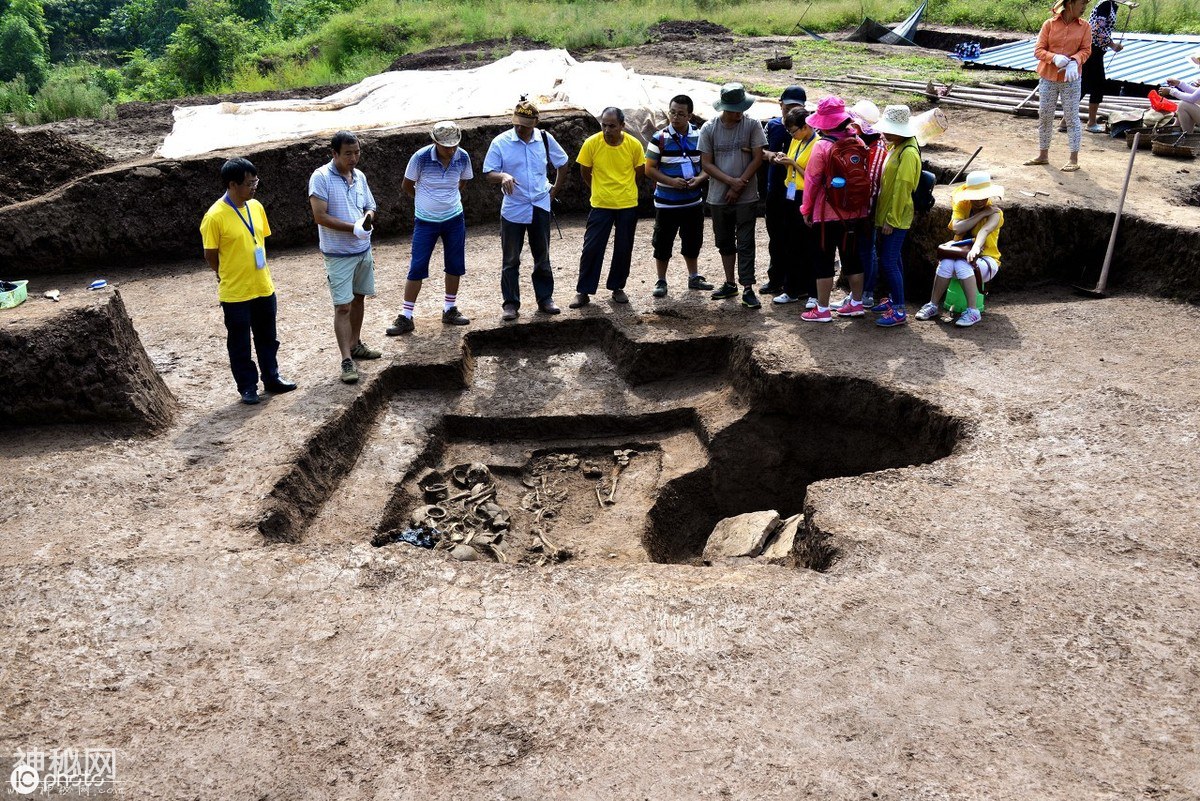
(223,230)
(614,182)
(991,246)
(798,151)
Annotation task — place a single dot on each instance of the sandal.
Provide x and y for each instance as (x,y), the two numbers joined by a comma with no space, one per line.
(1069,168)
(1037,162)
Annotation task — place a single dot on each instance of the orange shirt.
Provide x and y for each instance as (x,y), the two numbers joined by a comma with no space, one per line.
(1073,40)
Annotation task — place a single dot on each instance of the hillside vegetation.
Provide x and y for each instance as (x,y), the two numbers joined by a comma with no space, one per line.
(62,58)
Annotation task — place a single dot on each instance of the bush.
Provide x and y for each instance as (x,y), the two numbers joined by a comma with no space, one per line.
(206,46)
(65,100)
(14,96)
(21,51)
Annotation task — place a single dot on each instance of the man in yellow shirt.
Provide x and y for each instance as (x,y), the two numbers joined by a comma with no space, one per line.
(234,232)
(611,164)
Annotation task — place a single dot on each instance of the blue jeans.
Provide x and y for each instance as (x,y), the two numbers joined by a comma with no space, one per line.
(243,320)
(512,239)
(452,232)
(600,223)
(889,260)
(868,258)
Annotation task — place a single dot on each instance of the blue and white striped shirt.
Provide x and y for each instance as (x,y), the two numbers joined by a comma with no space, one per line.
(345,200)
(670,150)
(438,198)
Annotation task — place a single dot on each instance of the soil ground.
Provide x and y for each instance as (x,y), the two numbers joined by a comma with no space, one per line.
(1016,620)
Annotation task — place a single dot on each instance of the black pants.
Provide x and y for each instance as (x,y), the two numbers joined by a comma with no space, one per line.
(836,237)
(779,215)
(600,224)
(512,239)
(1094,80)
(687,222)
(244,320)
(799,280)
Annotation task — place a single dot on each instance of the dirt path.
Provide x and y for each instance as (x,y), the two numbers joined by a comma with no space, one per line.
(1016,620)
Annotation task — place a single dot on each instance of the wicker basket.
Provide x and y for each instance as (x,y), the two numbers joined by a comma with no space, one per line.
(1175,146)
(779,63)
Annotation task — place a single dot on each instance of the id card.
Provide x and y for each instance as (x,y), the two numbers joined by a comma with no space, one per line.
(260,257)
(791,191)
(688,171)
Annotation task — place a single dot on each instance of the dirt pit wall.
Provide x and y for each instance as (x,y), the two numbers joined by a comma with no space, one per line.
(151,210)
(78,361)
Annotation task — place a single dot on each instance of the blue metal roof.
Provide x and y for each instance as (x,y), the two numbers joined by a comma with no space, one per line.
(1148,58)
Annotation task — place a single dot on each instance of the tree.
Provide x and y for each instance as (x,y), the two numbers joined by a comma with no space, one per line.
(205,47)
(143,24)
(21,51)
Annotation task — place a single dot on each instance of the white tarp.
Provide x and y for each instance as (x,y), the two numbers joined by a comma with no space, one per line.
(552,79)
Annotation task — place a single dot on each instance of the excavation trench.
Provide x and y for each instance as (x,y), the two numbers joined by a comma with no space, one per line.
(692,431)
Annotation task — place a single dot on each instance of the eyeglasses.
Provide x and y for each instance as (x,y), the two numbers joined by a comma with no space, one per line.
(682,113)
(251,183)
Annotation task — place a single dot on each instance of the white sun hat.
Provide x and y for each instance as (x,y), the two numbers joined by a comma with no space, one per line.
(896,120)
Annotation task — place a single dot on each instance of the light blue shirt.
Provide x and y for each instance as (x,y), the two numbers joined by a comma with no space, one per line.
(345,200)
(526,162)
(438,198)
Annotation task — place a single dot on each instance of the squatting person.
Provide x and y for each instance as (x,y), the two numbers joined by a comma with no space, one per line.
(234,232)
(344,210)
(434,178)
(611,164)
(518,161)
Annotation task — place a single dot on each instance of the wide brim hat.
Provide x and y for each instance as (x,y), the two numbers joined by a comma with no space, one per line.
(831,112)
(979,186)
(896,120)
(446,134)
(864,111)
(733,98)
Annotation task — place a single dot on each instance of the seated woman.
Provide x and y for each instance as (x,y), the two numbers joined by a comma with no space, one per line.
(976,217)
(1188,96)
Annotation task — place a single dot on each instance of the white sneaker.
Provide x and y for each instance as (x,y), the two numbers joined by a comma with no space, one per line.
(810,304)
(968,318)
(784,298)
(927,312)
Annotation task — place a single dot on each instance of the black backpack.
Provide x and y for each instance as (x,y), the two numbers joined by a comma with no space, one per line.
(922,196)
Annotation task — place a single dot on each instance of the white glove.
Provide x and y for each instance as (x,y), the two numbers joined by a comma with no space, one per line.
(1073,71)
(1061,61)
(361,232)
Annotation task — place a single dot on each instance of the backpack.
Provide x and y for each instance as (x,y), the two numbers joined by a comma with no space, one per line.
(922,196)
(848,186)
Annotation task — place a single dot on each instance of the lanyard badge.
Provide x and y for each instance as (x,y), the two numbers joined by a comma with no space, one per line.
(260,253)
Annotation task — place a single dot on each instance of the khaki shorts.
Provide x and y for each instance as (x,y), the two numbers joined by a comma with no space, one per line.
(350,276)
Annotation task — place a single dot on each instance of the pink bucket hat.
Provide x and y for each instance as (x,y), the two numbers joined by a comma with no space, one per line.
(831,112)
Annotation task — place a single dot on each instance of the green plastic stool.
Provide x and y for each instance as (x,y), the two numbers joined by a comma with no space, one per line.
(956,300)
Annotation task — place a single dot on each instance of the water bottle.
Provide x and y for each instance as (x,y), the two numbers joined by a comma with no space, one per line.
(837,183)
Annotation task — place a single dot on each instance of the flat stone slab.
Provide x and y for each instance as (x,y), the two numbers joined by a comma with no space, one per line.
(743,535)
(780,546)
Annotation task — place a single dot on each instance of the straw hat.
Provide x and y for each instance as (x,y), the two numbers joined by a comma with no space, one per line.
(930,125)
(979,186)
(896,120)
(446,134)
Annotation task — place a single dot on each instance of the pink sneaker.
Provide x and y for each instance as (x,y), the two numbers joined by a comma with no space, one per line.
(817,316)
(850,309)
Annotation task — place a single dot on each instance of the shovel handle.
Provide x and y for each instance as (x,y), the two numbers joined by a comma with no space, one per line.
(1112,238)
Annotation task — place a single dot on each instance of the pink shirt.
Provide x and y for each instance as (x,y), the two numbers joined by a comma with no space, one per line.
(814,205)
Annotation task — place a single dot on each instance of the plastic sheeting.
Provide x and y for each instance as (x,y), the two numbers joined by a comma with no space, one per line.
(552,78)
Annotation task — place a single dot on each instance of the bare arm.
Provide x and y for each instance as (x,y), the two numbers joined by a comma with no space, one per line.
(585,173)
(506,181)
(992,223)
(213,257)
(409,187)
(965,225)
(320,212)
(559,177)
(711,169)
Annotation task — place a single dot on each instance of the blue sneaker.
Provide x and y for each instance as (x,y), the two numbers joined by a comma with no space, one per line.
(894,317)
(882,307)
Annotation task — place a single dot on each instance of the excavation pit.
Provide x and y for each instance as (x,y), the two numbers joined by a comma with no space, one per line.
(550,410)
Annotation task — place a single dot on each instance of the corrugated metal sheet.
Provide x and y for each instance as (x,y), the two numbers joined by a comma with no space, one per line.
(1147,58)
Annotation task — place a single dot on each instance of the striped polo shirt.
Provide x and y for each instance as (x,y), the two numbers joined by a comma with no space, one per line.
(438,198)
(671,149)
(345,200)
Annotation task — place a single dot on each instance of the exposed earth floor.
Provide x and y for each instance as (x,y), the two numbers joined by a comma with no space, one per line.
(1011,609)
